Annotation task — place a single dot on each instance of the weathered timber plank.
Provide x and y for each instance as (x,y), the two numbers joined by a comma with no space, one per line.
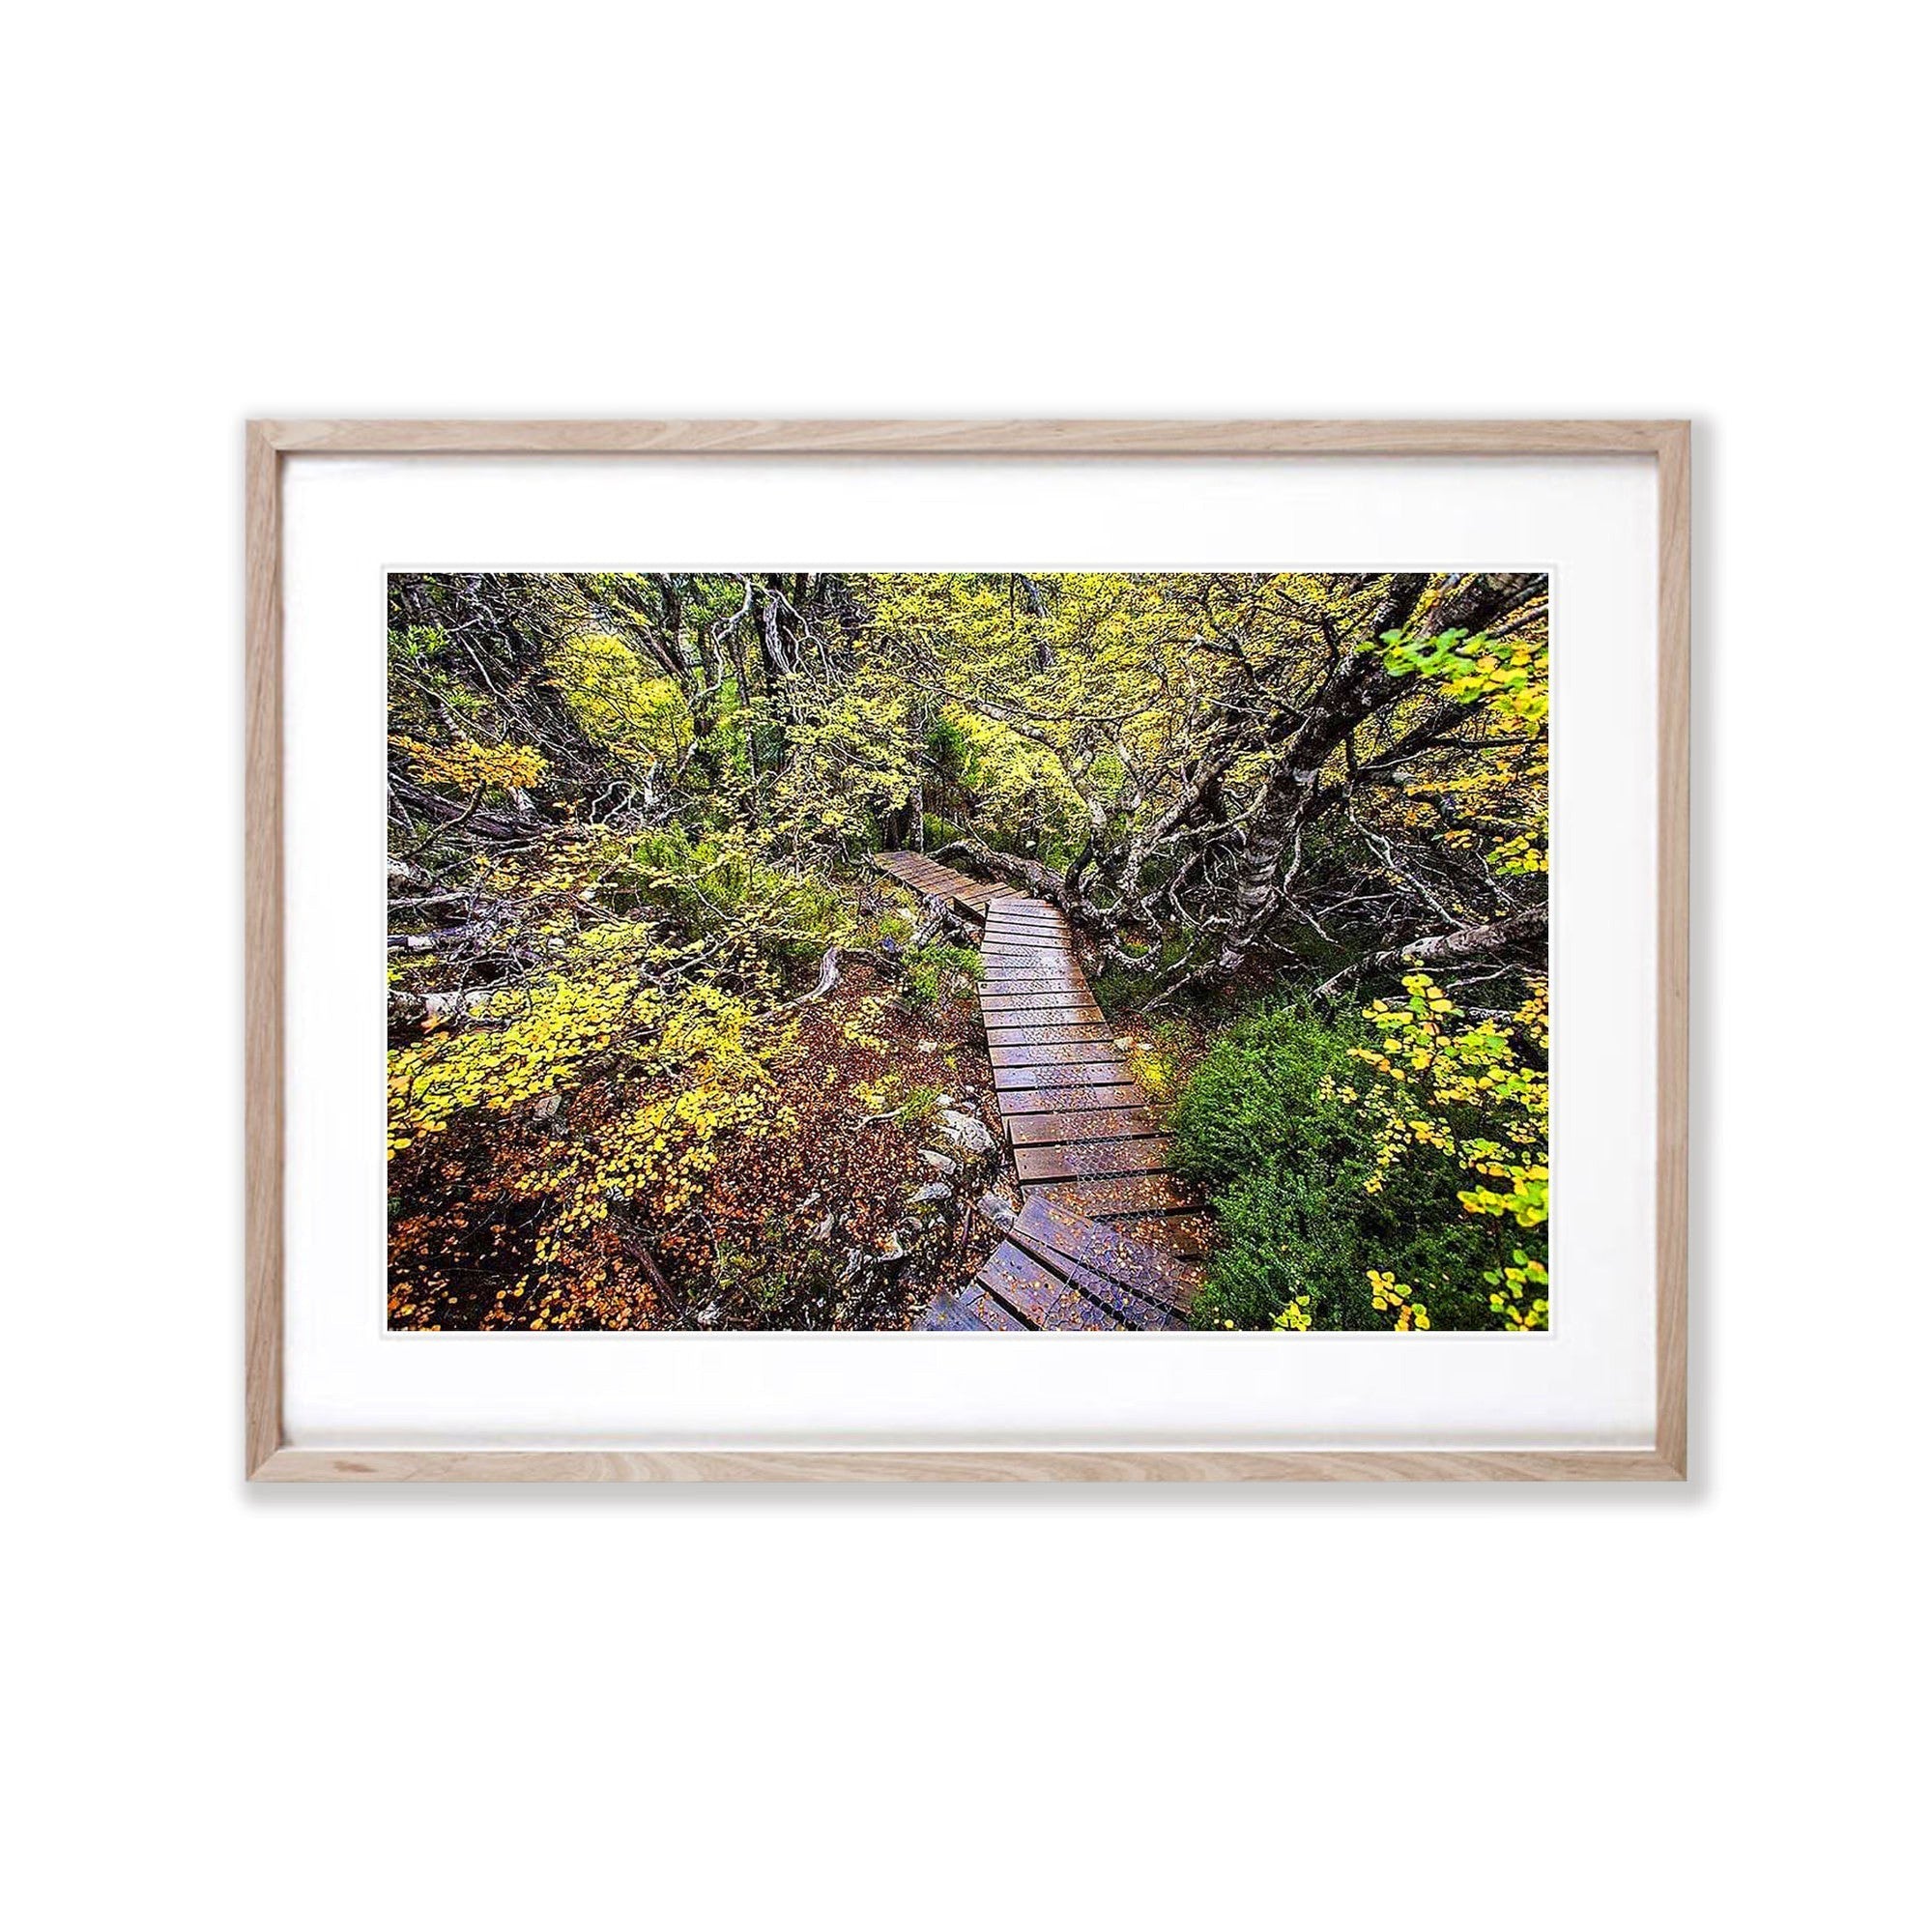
(950,1314)
(969,1307)
(1190,1235)
(1070,1099)
(1041,1017)
(1025,1285)
(1114,1123)
(1156,1273)
(1092,1158)
(1022,1009)
(1094,1301)
(932,882)
(1049,1033)
(1123,1193)
(1096,1073)
(1077,1053)
(1076,1312)
(991,1313)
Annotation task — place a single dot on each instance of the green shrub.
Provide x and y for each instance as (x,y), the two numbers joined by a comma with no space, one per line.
(938,971)
(1123,990)
(1286,1167)
(941,831)
(718,882)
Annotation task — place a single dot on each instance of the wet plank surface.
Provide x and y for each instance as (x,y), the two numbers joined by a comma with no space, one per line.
(1023,1009)
(1070,1099)
(1154,1273)
(1030,1288)
(1122,1194)
(973,896)
(1188,1235)
(1095,1073)
(1080,1033)
(1073,1053)
(1099,1123)
(1107,1238)
(1091,1159)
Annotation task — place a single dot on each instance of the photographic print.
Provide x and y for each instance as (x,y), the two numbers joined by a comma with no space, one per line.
(969,951)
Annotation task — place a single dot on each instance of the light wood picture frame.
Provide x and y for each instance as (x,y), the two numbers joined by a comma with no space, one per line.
(269,1456)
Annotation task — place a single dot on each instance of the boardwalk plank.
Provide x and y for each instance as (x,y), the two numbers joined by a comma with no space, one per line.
(1075,1054)
(969,1307)
(1096,1073)
(1067,1033)
(1023,1283)
(1190,1235)
(1071,1099)
(1027,1008)
(1124,1193)
(1092,1158)
(1096,1301)
(1153,1273)
(1111,1123)
(952,1314)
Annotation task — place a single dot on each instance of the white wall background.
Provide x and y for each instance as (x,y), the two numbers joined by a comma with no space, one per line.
(915,1709)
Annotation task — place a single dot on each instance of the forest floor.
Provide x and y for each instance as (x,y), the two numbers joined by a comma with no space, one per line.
(811,1226)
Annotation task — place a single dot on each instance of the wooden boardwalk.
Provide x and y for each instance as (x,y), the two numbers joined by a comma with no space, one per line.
(972,896)
(1108,1238)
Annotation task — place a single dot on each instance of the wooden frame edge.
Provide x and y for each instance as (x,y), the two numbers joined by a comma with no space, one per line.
(973,1465)
(269,1459)
(957,437)
(262,862)
(1673,945)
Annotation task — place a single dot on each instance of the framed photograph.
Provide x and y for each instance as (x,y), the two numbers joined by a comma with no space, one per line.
(967,951)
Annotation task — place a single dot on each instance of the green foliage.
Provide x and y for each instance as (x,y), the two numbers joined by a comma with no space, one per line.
(730,882)
(941,831)
(1125,989)
(622,706)
(938,971)
(1264,1127)
(1477,1094)
(1498,805)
